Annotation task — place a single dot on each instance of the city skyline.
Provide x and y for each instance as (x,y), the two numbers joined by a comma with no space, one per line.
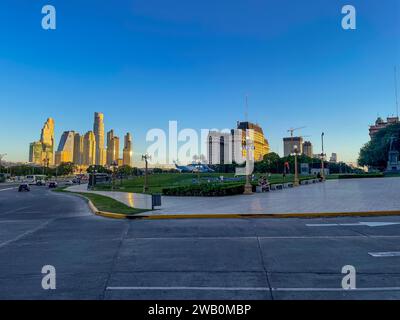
(146,66)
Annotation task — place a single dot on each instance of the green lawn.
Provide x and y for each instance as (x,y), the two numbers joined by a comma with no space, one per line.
(156,182)
(106,204)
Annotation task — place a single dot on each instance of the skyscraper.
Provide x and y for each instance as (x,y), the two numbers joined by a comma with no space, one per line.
(89,149)
(65,150)
(78,149)
(128,152)
(308,149)
(98,129)
(112,147)
(42,152)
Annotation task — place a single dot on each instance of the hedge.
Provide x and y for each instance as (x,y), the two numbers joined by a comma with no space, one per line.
(205,190)
(357,176)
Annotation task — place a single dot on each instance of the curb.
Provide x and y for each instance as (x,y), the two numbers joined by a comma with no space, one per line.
(270,215)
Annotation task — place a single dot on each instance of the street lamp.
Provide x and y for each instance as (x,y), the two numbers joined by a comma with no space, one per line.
(296,173)
(113,165)
(1,158)
(145,157)
(248,188)
(322,158)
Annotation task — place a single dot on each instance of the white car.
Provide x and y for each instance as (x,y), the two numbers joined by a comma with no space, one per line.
(69,183)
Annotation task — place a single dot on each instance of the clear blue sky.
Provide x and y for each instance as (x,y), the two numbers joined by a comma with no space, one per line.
(145,62)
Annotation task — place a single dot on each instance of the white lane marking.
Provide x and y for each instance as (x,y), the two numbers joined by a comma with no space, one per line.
(192,288)
(14,210)
(384,254)
(8,189)
(27,233)
(251,289)
(368,224)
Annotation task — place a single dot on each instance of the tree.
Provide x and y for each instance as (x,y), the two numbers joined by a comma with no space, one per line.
(375,152)
(65,169)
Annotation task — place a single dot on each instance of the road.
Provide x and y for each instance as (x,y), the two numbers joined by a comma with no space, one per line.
(99,258)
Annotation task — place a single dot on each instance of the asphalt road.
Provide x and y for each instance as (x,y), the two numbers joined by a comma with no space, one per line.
(98,258)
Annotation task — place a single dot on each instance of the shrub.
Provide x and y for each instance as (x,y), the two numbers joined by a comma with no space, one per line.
(205,190)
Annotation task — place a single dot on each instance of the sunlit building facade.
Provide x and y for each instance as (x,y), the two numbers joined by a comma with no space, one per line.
(89,149)
(42,152)
(98,129)
(128,150)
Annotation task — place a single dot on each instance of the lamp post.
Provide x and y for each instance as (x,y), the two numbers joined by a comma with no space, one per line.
(296,172)
(248,188)
(1,158)
(114,165)
(145,157)
(322,158)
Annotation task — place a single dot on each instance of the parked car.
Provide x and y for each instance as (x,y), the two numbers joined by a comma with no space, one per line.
(69,183)
(24,187)
(52,184)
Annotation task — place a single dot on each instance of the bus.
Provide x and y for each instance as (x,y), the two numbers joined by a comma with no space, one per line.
(33,178)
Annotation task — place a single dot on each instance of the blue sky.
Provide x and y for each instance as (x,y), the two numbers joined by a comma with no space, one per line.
(146,62)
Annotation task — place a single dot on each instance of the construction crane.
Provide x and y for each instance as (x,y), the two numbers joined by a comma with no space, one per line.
(291,130)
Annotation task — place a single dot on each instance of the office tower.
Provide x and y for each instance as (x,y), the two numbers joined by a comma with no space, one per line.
(128,150)
(112,148)
(290,143)
(89,149)
(261,145)
(35,152)
(98,129)
(219,147)
(308,149)
(78,149)
(65,150)
(47,140)
(42,152)
(334,158)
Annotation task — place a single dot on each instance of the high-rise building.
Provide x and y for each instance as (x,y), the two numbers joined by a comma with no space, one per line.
(98,129)
(219,147)
(128,150)
(290,143)
(35,152)
(89,149)
(261,145)
(78,149)
(334,158)
(112,148)
(65,150)
(308,149)
(42,152)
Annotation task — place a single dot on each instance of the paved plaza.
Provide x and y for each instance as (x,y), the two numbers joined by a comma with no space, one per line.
(347,195)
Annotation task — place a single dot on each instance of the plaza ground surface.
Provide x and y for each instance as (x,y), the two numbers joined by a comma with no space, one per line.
(348,195)
(99,258)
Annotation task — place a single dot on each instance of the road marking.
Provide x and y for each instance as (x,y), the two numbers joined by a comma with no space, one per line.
(8,189)
(193,288)
(250,289)
(368,224)
(384,254)
(14,210)
(27,233)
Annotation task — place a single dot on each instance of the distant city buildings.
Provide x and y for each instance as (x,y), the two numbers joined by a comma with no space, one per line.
(65,150)
(308,149)
(42,152)
(128,150)
(228,147)
(82,150)
(380,124)
(333,158)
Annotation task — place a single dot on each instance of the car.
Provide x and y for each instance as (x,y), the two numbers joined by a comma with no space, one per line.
(24,187)
(40,183)
(52,184)
(69,183)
